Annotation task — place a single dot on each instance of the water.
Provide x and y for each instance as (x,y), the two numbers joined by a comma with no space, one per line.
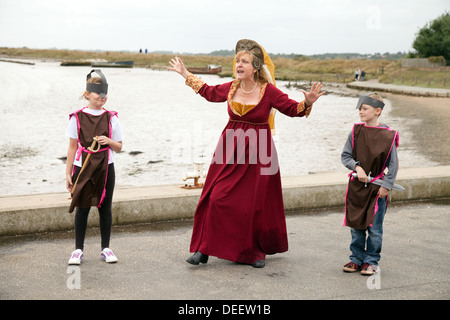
(166,125)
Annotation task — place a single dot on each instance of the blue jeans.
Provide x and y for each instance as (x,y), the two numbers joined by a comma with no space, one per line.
(369,251)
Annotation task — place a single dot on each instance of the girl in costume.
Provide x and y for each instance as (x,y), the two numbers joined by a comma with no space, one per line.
(94,135)
(371,147)
(240,215)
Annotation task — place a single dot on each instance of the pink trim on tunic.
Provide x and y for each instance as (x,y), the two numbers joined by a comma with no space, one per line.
(380,176)
(82,149)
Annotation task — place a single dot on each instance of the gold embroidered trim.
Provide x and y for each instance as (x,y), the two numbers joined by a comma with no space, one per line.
(308,111)
(301,108)
(263,90)
(232,91)
(194,82)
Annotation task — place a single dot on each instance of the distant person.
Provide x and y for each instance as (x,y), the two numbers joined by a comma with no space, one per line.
(90,175)
(357,74)
(240,215)
(146,51)
(140,50)
(371,147)
(363,75)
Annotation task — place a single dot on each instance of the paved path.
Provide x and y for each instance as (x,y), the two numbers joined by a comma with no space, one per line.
(414,265)
(374,85)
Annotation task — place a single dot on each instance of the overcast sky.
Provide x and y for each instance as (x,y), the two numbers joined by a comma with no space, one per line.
(201,26)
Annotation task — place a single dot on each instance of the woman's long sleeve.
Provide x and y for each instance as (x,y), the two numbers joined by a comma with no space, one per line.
(287,106)
(217,93)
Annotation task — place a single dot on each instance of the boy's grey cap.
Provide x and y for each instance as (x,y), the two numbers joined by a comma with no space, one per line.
(100,88)
(365,99)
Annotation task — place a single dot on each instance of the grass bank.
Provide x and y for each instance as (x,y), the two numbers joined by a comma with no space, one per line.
(295,69)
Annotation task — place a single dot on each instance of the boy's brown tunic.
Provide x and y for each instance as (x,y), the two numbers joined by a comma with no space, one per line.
(91,183)
(371,147)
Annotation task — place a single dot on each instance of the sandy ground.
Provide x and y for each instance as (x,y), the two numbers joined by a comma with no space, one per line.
(430,118)
(428,122)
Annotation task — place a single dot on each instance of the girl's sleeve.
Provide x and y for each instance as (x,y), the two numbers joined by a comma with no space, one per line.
(287,106)
(72,130)
(116,132)
(218,93)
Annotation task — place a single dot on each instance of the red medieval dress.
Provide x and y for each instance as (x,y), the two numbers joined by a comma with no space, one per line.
(240,215)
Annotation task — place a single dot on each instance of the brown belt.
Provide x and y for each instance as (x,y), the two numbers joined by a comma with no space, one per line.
(256,124)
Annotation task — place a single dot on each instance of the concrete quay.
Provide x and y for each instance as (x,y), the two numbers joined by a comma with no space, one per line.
(414,266)
(30,214)
(151,266)
(374,85)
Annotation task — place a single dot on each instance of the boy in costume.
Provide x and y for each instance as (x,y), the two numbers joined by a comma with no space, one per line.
(369,150)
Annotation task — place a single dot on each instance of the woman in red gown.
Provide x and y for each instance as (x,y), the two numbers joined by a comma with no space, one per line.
(240,215)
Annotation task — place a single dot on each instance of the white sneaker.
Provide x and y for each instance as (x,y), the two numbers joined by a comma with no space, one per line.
(76,257)
(108,255)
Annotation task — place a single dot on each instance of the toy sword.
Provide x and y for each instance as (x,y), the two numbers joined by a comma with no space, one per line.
(379,182)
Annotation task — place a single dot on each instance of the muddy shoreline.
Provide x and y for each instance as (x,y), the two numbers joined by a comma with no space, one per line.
(429,118)
(166,133)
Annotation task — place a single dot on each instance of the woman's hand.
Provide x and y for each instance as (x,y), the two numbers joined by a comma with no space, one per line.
(313,94)
(178,66)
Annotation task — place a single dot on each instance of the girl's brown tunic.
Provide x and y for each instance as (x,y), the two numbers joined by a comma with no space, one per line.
(90,187)
(371,147)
